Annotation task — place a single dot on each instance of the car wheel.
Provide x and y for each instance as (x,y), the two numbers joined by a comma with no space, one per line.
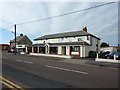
(108,57)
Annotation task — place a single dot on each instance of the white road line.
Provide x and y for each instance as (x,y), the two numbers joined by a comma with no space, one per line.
(4,57)
(67,69)
(24,61)
(28,62)
(19,60)
(79,72)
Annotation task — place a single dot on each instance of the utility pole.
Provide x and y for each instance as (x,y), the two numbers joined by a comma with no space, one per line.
(15,38)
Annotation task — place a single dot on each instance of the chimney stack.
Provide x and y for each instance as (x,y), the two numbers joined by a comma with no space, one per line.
(85,29)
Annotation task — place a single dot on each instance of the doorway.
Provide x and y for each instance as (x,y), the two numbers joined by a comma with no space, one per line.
(64,50)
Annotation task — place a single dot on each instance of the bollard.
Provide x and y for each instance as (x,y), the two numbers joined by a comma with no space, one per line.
(114,57)
(97,55)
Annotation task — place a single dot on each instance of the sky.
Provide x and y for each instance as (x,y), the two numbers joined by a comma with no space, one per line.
(101,22)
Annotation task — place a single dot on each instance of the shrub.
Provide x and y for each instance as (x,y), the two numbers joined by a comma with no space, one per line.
(92,54)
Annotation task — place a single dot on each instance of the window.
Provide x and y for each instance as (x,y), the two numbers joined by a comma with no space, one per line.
(35,49)
(87,37)
(19,46)
(41,49)
(61,40)
(43,42)
(53,50)
(79,39)
(75,48)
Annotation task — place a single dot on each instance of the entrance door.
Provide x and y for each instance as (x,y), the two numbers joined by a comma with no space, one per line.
(64,50)
(35,49)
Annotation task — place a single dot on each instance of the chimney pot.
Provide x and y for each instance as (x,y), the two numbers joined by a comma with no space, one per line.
(21,34)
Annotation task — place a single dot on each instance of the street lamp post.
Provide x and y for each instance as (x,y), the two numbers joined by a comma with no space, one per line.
(15,38)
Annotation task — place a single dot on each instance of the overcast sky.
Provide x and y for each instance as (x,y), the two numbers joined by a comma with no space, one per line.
(102,21)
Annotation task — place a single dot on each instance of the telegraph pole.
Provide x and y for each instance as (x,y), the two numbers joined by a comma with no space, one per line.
(15,38)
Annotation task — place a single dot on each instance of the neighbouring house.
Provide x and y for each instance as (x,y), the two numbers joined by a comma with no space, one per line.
(110,49)
(75,43)
(4,47)
(23,44)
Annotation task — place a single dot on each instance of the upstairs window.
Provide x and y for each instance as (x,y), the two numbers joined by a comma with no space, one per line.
(43,42)
(88,38)
(61,40)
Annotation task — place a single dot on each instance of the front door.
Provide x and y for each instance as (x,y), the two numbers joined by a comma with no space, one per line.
(64,50)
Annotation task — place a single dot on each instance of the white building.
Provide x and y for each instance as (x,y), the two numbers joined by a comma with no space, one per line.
(76,44)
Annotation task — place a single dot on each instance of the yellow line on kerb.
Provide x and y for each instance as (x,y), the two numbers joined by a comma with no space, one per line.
(11,83)
(7,85)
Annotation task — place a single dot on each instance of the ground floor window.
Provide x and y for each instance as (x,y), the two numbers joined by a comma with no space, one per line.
(75,48)
(29,49)
(53,50)
(35,49)
(41,49)
(21,49)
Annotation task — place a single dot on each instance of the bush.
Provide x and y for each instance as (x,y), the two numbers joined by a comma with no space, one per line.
(92,54)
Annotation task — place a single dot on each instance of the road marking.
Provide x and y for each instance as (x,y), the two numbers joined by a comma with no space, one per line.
(67,69)
(10,84)
(28,62)
(3,57)
(81,64)
(24,61)
(18,60)
(7,84)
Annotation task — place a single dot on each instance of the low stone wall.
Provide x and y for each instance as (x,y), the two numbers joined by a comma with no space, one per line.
(51,55)
(107,60)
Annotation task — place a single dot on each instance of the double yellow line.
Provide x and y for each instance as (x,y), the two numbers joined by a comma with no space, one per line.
(10,84)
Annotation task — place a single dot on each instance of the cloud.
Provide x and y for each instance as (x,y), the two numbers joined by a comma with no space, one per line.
(97,20)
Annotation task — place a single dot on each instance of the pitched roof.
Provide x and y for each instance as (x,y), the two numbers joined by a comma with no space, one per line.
(19,38)
(66,34)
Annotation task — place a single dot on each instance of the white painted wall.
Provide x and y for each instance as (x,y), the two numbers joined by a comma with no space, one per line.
(68,50)
(84,50)
(75,53)
(59,49)
(59,40)
(93,47)
(81,51)
(20,46)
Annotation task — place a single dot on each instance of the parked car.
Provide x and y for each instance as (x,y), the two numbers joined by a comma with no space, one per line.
(111,55)
(12,51)
(102,54)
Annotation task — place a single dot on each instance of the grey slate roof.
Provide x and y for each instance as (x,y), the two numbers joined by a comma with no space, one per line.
(18,39)
(66,34)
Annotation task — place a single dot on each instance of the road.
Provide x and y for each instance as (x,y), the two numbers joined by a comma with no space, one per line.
(40,72)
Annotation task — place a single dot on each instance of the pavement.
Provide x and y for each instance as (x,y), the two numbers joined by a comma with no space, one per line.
(90,61)
(47,72)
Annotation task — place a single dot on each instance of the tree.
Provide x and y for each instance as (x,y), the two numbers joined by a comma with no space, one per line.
(104,44)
